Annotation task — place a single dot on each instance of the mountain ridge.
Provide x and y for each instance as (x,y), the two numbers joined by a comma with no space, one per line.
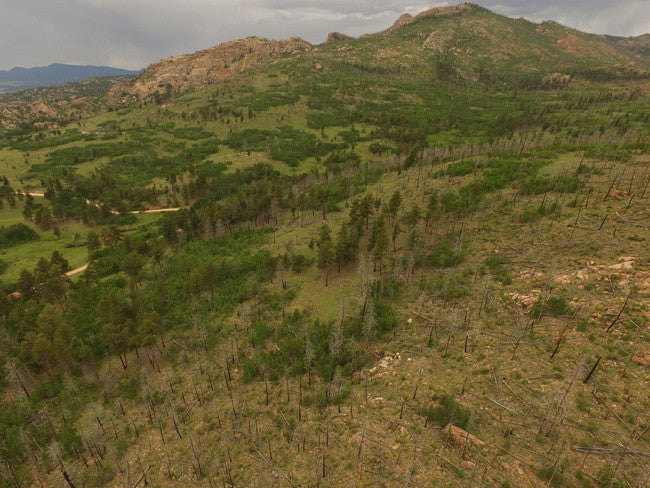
(465,43)
(553,42)
(19,78)
(204,67)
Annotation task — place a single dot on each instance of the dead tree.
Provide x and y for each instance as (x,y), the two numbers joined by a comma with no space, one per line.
(620,312)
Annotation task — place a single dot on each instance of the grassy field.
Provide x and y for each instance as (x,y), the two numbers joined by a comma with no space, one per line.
(25,256)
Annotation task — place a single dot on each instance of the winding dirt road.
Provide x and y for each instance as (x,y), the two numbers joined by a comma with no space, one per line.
(77,270)
(80,269)
(90,202)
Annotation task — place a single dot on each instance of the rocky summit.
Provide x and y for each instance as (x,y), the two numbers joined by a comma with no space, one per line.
(192,71)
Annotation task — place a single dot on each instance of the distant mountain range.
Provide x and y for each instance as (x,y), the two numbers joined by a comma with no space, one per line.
(54,74)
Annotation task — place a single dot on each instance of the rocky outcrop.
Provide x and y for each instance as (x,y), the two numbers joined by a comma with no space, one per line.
(170,75)
(191,71)
(552,80)
(434,12)
(639,44)
(402,21)
(445,11)
(459,437)
(337,37)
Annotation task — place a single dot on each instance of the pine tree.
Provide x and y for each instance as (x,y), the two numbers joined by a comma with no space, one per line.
(394,204)
(92,242)
(132,266)
(433,207)
(413,216)
(325,251)
(381,244)
(342,244)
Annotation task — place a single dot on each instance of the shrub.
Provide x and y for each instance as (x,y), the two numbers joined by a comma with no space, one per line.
(607,478)
(16,234)
(385,317)
(448,411)
(450,287)
(555,306)
(500,272)
(70,441)
(552,474)
(459,168)
(190,133)
(301,263)
(443,255)
(539,184)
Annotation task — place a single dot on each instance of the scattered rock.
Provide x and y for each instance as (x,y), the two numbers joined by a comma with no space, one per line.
(525,300)
(460,437)
(384,364)
(623,265)
(556,79)
(437,40)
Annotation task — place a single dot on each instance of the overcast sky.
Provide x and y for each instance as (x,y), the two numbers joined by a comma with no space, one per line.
(135,33)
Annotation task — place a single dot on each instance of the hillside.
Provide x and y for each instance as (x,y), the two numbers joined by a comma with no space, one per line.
(17,79)
(203,68)
(466,41)
(89,87)
(50,106)
(415,258)
(438,44)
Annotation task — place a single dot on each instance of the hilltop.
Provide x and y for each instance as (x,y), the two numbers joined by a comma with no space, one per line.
(464,41)
(192,71)
(414,258)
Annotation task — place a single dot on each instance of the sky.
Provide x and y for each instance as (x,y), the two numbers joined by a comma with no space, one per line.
(135,33)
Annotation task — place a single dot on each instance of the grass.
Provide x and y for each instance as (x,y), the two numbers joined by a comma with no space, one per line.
(25,256)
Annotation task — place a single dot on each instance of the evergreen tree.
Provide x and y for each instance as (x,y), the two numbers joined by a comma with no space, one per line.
(342,243)
(381,244)
(433,207)
(325,251)
(92,242)
(132,266)
(25,284)
(413,216)
(394,204)
(58,261)
(111,235)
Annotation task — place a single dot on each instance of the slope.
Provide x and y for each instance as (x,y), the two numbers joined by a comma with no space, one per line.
(55,74)
(381,276)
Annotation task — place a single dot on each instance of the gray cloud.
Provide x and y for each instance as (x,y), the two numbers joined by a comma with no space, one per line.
(135,33)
